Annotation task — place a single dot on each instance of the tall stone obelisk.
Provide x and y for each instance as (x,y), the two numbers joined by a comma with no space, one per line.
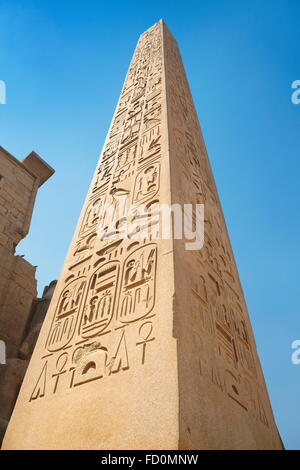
(147,345)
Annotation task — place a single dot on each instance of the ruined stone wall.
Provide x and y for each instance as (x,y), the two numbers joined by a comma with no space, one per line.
(19,182)
(18,188)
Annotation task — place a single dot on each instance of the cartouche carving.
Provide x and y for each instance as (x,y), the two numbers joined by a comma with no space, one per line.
(66,315)
(100,300)
(147,183)
(138,284)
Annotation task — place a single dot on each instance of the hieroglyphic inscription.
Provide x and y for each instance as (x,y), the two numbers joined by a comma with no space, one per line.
(108,292)
(104,322)
(217,309)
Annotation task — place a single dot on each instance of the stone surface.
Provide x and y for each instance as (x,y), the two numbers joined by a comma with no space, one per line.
(3,427)
(19,182)
(29,343)
(38,166)
(11,377)
(12,373)
(147,345)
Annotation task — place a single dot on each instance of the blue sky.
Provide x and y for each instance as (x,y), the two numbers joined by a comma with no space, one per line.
(64,63)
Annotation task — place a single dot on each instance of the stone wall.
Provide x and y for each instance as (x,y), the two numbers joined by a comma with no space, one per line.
(21,313)
(12,373)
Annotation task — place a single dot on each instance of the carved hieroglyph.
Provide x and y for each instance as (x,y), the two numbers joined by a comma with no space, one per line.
(147,345)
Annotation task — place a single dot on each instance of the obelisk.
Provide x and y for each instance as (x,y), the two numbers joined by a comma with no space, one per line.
(147,344)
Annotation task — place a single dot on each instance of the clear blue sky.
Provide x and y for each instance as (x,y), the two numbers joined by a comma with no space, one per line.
(64,63)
